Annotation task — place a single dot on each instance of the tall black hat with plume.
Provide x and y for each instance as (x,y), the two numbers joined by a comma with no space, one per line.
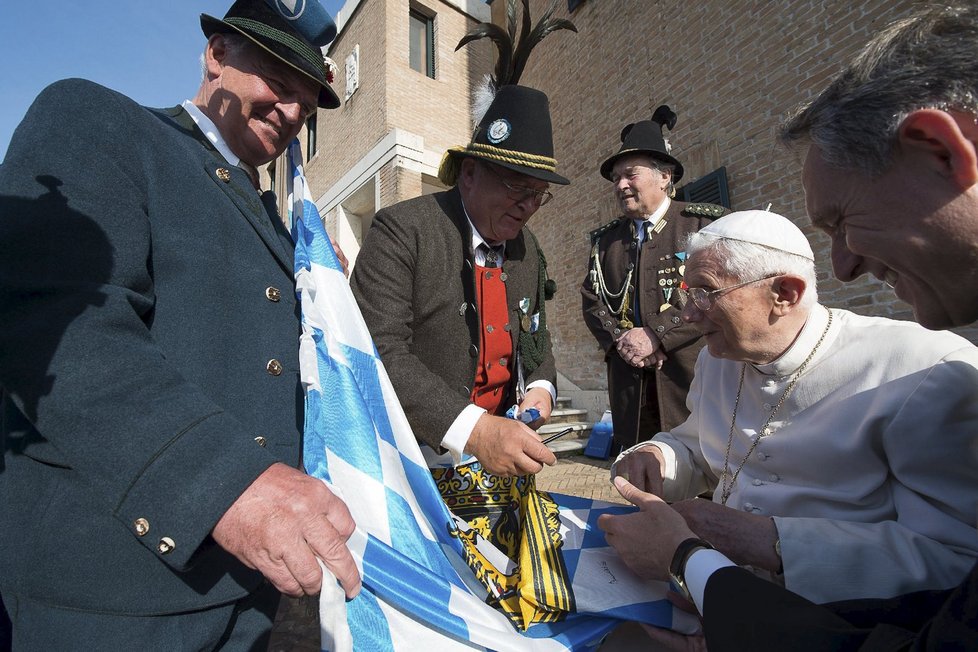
(646,138)
(514,130)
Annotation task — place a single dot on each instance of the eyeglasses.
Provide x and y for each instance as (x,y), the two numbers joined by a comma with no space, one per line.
(521,193)
(706,299)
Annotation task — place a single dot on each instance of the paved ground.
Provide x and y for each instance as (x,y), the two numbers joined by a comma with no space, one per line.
(297,624)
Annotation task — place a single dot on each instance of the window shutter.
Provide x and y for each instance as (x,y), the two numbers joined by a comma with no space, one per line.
(708,189)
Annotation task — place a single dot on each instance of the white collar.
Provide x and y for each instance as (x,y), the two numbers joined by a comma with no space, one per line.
(207,126)
(653,219)
(477,239)
(789,361)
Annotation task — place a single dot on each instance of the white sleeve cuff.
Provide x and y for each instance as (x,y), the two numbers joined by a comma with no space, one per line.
(459,432)
(699,567)
(547,385)
(669,455)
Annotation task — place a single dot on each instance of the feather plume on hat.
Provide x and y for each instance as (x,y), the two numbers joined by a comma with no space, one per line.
(513,53)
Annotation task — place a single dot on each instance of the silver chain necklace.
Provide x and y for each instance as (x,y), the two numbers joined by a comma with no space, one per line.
(727,489)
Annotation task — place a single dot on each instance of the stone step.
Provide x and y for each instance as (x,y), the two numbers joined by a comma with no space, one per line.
(564,402)
(564,447)
(581,429)
(566,415)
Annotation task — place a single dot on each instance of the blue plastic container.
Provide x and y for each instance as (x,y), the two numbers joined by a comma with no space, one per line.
(599,443)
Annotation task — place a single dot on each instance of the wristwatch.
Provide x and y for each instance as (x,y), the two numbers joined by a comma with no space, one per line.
(677,569)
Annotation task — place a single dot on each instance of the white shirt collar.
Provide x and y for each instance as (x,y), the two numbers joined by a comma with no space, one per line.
(652,219)
(210,130)
(789,361)
(477,239)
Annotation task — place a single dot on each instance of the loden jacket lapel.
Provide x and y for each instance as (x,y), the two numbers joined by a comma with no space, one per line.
(234,182)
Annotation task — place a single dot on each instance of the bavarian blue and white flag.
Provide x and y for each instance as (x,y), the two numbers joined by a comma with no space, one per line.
(418,592)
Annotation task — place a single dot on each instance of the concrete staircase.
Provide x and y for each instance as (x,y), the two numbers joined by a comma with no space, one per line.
(565,416)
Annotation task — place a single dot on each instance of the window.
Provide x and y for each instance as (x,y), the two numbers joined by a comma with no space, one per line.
(310,137)
(712,189)
(422,50)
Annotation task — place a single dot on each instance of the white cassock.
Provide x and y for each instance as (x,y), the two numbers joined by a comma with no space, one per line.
(871,468)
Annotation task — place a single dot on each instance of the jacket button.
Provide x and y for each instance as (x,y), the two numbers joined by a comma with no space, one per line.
(602,313)
(274,367)
(261,441)
(141,526)
(273,294)
(502,362)
(223,174)
(659,329)
(166,546)
(617,331)
(675,320)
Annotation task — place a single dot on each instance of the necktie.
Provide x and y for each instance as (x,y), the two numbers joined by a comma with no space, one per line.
(252,174)
(491,253)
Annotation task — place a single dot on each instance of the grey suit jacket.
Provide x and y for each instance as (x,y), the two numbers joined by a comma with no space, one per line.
(135,330)
(415,282)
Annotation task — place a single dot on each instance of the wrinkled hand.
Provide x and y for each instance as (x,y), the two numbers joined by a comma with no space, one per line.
(282,523)
(540,399)
(745,538)
(507,447)
(640,347)
(645,540)
(341,256)
(643,468)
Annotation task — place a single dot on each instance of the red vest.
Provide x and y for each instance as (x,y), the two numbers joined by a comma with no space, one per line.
(496,346)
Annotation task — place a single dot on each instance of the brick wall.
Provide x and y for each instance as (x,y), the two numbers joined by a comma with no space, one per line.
(348,132)
(393,95)
(729,69)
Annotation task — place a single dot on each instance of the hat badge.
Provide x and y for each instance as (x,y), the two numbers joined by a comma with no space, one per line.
(290,9)
(499,130)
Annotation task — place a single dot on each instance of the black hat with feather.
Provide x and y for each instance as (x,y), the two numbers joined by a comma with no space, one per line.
(646,138)
(514,131)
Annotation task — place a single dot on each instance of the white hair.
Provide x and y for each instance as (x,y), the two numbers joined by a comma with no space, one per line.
(744,261)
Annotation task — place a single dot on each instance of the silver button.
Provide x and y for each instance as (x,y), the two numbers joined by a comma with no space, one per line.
(748,507)
(503,361)
(166,546)
(489,328)
(488,276)
(274,367)
(503,277)
(141,526)
(757,482)
(261,441)
(273,294)
(602,313)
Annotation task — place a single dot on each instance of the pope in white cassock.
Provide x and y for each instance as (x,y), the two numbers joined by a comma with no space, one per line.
(841,451)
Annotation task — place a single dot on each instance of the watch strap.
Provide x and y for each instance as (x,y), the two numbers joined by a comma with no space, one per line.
(677,569)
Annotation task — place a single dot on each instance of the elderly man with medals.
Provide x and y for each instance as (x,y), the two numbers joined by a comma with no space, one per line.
(840,449)
(630,299)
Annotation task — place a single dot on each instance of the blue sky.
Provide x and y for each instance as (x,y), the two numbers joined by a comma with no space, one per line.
(148,50)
